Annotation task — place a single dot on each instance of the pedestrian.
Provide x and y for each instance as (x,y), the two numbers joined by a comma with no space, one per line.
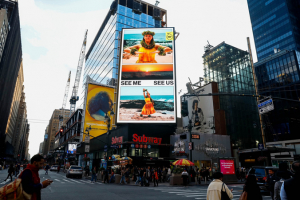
(122,176)
(138,177)
(112,176)
(87,170)
(251,190)
(164,174)
(142,176)
(185,176)
(198,176)
(238,176)
(155,177)
(271,180)
(94,175)
(18,167)
(127,172)
(46,169)
(284,175)
(31,180)
(169,174)
(106,176)
(58,168)
(148,174)
(290,188)
(10,172)
(216,186)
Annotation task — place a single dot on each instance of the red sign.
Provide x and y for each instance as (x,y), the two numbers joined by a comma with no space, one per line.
(144,139)
(141,146)
(136,146)
(227,167)
(117,140)
(145,146)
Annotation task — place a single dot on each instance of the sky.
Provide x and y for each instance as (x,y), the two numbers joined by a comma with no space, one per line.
(52,35)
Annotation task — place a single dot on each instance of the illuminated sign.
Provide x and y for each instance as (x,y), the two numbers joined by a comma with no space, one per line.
(196,136)
(145,139)
(147,78)
(117,140)
(227,167)
(99,103)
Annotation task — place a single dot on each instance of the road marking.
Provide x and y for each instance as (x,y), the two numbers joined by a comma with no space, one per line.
(4,182)
(76,181)
(59,180)
(68,181)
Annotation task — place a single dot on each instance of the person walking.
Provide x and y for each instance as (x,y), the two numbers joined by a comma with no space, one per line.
(18,167)
(169,174)
(185,177)
(155,178)
(94,175)
(284,175)
(143,176)
(58,168)
(87,170)
(112,176)
(11,171)
(164,174)
(46,169)
(198,176)
(290,188)
(216,186)
(106,176)
(122,176)
(271,180)
(251,190)
(138,177)
(30,178)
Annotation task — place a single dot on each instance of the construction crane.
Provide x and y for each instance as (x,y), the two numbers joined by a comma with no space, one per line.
(74,96)
(62,112)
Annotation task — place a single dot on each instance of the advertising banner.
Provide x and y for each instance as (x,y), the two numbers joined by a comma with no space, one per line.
(227,167)
(99,103)
(201,111)
(146,86)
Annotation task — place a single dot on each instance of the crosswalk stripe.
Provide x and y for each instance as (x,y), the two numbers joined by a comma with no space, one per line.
(76,181)
(59,181)
(68,181)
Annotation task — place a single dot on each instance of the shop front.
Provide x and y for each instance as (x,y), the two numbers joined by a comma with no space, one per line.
(146,145)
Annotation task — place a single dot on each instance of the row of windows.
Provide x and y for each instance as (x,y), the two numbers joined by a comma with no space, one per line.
(268,14)
(269,31)
(264,22)
(275,40)
(278,20)
(281,45)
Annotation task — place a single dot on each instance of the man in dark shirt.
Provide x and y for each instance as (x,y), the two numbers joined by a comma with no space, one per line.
(31,180)
(271,180)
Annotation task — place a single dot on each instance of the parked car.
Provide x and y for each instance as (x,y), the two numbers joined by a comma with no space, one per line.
(74,171)
(53,168)
(261,173)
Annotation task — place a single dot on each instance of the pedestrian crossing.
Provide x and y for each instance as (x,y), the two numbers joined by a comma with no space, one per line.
(199,192)
(61,181)
(196,193)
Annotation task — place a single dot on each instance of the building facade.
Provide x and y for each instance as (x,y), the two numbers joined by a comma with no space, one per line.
(9,67)
(4,30)
(41,148)
(13,114)
(52,129)
(102,58)
(230,67)
(275,24)
(278,76)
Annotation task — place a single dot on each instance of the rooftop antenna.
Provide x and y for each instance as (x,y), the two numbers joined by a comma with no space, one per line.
(156,3)
(208,47)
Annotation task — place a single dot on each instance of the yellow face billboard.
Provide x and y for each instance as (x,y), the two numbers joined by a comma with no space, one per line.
(99,103)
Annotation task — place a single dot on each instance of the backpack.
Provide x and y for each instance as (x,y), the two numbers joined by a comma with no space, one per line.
(14,191)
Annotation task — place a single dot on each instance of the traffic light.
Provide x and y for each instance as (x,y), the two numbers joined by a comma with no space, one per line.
(184,109)
(61,130)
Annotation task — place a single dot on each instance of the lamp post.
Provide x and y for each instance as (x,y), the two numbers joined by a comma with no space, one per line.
(108,120)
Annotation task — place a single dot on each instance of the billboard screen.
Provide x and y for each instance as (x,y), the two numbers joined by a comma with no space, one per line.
(99,103)
(146,86)
(227,167)
(201,111)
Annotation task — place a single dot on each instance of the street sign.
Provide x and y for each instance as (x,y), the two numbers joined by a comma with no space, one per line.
(87,148)
(87,139)
(265,106)
(114,146)
(190,146)
(260,146)
(196,136)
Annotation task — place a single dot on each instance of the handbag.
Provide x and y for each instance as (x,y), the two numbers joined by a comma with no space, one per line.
(224,195)
(244,196)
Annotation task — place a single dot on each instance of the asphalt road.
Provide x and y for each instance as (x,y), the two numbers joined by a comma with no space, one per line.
(78,189)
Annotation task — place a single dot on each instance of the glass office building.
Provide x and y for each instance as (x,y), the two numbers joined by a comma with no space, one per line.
(230,67)
(102,58)
(275,24)
(278,76)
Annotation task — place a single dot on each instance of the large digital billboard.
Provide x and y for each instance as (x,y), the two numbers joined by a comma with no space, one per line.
(99,103)
(201,111)
(146,86)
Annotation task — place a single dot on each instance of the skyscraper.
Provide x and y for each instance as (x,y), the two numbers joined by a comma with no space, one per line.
(103,56)
(275,24)
(230,67)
